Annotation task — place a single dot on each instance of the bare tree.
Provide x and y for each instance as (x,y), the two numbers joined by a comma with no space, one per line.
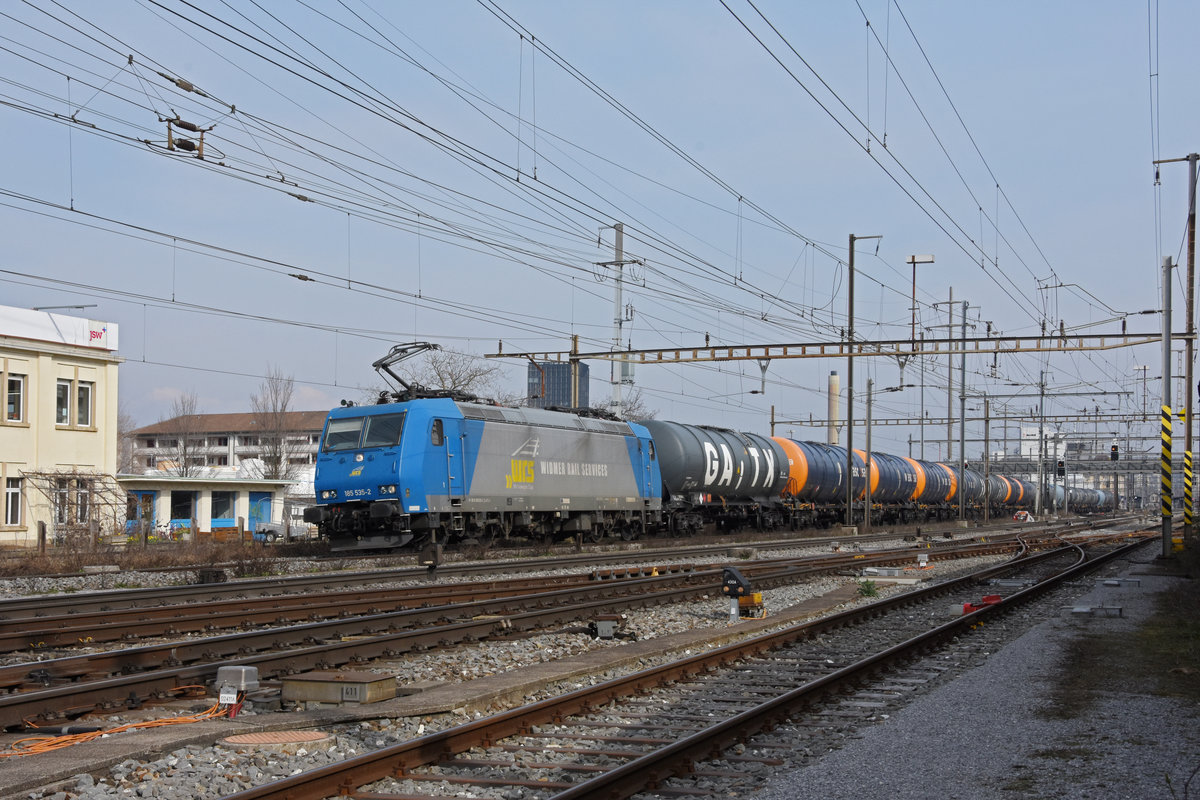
(125,442)
(182,431)
(271,407)
(633,406)
(461,372)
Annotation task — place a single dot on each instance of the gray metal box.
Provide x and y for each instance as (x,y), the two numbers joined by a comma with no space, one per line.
(244,679)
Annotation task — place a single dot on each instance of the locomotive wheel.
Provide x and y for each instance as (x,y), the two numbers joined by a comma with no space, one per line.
(628,533)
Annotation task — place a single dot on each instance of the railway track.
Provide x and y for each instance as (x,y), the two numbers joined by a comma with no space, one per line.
(72,685)
(389,570)
(125,618)
(687,728)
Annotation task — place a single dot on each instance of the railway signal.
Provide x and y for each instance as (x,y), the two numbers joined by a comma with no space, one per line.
(1113,453)
(1062,469)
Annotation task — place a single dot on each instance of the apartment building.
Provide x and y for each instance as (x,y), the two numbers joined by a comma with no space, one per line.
(236,446)
(180,444)
(58,430)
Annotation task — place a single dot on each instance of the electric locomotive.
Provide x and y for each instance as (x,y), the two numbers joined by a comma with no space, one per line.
(432,470)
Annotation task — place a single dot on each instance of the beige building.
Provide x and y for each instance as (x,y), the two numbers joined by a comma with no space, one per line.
(58,430)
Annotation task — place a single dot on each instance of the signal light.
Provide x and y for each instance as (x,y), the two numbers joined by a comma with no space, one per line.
(1113,453)
(1062,469)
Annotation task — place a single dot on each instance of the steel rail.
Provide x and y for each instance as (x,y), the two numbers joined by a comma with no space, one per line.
(396,761)
(156,671)
(108,600)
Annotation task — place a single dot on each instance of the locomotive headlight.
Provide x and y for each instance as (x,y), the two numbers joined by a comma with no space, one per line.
(389,489)
(329,494)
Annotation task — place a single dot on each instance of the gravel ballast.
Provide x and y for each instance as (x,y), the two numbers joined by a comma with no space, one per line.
(978,736)
(988,735)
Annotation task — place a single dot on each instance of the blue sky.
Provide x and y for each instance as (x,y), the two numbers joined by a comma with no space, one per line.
(406,126)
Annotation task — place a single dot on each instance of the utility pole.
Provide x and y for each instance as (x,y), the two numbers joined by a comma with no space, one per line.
(575,371)
(921,363)
(987,461)
(962,420)
(619,314)
(850,384)
(867,460)
(950,382)
(1166,498)
(1189,296)
(1041,481)
(618,311)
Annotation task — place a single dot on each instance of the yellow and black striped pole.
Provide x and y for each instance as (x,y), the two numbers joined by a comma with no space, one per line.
(1165,464)
(1187,489)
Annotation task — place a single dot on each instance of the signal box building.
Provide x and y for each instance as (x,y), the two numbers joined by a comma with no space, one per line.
(58,429)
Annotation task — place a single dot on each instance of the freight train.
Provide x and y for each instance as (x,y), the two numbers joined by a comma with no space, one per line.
(446,469)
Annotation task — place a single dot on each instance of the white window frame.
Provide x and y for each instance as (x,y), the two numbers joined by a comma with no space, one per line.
(9,379)
(85,397)
(83,501)
(13,501)
(62,501)
(62,411)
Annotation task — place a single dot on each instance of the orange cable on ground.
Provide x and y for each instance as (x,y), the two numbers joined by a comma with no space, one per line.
(45,744)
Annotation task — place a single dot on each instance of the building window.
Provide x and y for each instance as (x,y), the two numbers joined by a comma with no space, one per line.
(83,497)
(151,461)
(62,403)
(12,501)
(249,441)
(148,444)
(218,441)
(222,505)
(83,409)
(14,396)
(62,500)
(218,461)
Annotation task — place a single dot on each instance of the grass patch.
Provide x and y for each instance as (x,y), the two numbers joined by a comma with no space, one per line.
(868,588)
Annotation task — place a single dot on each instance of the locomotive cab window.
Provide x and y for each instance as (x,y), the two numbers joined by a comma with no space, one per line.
(343,434)
(438,436)
(651,450)
(383,430)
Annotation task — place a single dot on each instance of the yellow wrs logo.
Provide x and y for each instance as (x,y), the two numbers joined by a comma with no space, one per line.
(521,472)
(354,473)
